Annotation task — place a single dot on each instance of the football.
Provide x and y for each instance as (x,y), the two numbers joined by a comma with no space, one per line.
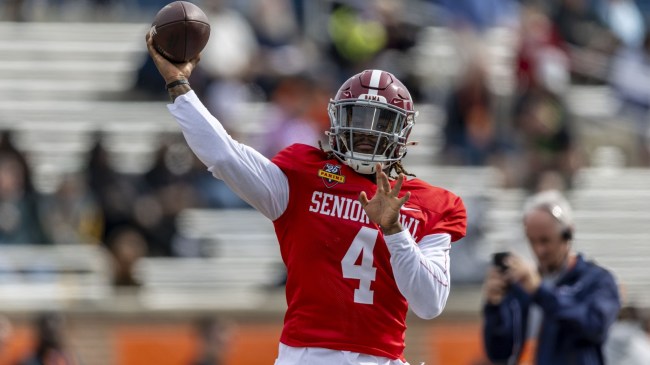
(180,31)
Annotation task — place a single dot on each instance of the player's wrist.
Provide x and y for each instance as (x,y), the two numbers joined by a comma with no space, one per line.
(391,229)
(178,90)
(176,81)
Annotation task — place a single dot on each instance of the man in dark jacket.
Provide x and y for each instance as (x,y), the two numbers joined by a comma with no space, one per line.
(561,310)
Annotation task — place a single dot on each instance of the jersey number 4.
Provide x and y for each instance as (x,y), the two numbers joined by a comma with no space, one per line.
(362,245)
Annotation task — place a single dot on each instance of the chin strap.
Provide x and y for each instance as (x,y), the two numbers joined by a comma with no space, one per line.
(363,167)
(366,168)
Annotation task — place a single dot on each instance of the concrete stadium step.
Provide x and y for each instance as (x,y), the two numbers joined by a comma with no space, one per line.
(592,101)
(101,71)
(211,223)
(635,178)
(459,179)
(31,89)
(53,277)
(207,273)
(68,60)
(227,299)
(231,233)
(86,115)
(611,199)
(591,221)
(58,31)
(58,51)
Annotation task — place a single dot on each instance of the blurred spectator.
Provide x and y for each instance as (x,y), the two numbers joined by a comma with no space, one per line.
(544,125)
(470,131)
(645,325)
(227,60)
(356,35)
(372,34)
(128,245)
(211,192)
(233,45)
(588,38)
(167,190)
(14,10)
(19,220)
(274,22)
(177,181)
(71,214)
(283,50)
(147,84)
(288,121)
(6,331)
(173,162)
(625,20)
(212,337)
(104,10)
(557,310)
(579,24)
(478,15)
(537,35)
(402,32)
(116,193)
(644,8)
(52,344)
(630,79)
(628,343)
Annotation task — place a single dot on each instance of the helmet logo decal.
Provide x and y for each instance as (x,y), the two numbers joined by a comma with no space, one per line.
(331,175)
(371,97)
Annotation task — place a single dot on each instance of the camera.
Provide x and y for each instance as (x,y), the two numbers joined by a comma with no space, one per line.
(498,260)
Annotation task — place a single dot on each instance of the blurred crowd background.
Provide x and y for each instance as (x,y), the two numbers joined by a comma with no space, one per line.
(538,94)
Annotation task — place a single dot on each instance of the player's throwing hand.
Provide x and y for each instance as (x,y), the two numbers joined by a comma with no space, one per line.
(170,71)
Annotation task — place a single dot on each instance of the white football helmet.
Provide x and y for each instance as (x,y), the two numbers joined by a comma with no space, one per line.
(371,119)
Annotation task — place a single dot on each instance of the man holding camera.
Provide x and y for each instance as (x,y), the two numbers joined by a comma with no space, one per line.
(557,312)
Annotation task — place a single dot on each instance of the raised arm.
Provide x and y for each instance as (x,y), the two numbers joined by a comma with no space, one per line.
(248,173)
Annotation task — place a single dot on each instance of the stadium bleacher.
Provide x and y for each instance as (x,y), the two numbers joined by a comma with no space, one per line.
(73,61)
(35,277)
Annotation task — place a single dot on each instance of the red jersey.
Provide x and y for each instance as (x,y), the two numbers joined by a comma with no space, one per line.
(341,293)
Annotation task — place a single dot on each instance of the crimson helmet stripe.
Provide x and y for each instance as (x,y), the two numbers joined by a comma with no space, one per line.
(374,82)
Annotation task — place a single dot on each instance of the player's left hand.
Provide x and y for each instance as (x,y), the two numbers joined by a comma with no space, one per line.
(383,209)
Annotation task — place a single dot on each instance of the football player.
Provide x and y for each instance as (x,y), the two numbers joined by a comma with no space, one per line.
(360,245)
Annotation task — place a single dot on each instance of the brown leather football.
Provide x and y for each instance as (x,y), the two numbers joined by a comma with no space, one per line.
(180,31)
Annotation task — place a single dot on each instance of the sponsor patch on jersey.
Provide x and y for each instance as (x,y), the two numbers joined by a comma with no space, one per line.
(331,175)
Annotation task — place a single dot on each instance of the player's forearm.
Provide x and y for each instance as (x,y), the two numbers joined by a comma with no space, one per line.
(421,272)
(205,135)
(248,173)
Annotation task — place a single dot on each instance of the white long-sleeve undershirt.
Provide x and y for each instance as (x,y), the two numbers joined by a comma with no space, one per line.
(248,173)
(421,270)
